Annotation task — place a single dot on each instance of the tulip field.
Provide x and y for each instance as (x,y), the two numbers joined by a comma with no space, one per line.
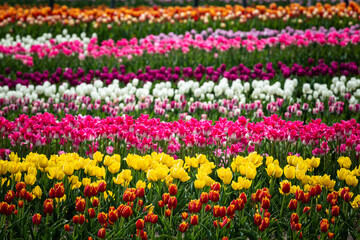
(157,119)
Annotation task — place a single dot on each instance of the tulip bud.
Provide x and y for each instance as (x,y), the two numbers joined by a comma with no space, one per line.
(80,205)
(243,197)
(140,224)
(294,218)
(318,207)
(81,219)
(91,212)
(194,220)
(67,227)
(215,186)
(184,215)
(75,219)
(183,227)
(95,202)
(172,202)
(161,204)
(102,217)
(102,186)
(265,203)
(173,189)
(214,196)
(167,213)
(335,211)
(113,216)
(101,233)
(208,208)
(165,198)
(231,210)
(306,209)
(154,218)
(324,225)
(204,198)
(140,192)
(126,212)
(36,219)
(257,219)
(293,204)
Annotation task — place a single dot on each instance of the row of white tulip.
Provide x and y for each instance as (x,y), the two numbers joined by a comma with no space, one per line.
(243,92)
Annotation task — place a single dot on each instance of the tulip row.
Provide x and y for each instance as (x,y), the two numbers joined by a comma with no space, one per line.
(279,71)
(292,100)
(85,134)
(128,49)
(156,195)
(129,22)
(81,3)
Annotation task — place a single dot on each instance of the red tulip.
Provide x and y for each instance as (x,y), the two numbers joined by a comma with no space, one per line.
(36,219)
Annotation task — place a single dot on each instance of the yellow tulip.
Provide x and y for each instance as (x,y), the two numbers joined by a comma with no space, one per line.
(108,160)
(14,157)
(13,167)
(250,172)
(114,167)
(225,175)
(86,181)
(73,180)
(17,177)
(60,175)
(192,162)
(98,156)
(201,158)
(344,162)
(169,180)
(152,175)
(300,175)
(68,168)
(29,179)
(52,173)
(289,172)
(199,184)
(3,167)
(118,180)
(43,161)
(246,184)
(351,180)
(235,185)
(37,192)
(179,173)
(314,162)
(126,175)
(140,184)
(343,173)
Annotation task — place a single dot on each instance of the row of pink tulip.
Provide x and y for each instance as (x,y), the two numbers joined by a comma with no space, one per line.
(74,133)
(129,48)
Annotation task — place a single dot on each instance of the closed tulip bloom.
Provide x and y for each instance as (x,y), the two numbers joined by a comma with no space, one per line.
(140,224)
(257,219)
(102,217)
(204,197)
(335,211)
(183,227)
(101,233)
(194,220)
(324,225)
(293,204)
(36,219)
(265,203)
(173,189)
